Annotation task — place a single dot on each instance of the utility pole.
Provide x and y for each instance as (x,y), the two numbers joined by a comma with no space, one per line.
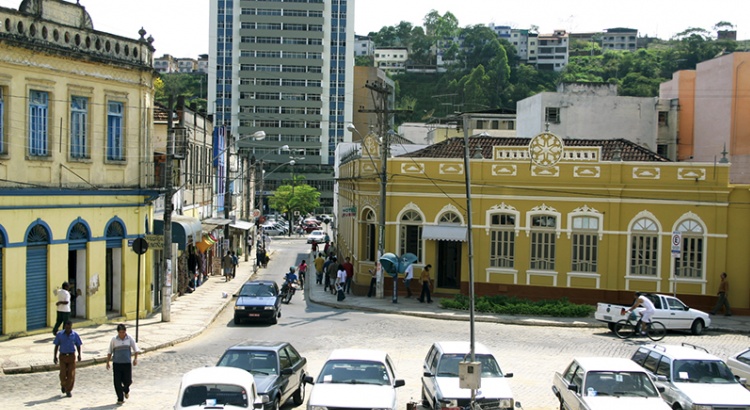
(380,93)
(227,194)
(166,279)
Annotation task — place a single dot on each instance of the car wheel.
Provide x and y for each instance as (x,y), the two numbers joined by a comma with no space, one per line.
(275,319)
(275,404)
(697,327)
(611,326)
(299,395)
(425,402)
(237,321)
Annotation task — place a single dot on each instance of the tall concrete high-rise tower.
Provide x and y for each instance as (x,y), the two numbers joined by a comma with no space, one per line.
(284,67)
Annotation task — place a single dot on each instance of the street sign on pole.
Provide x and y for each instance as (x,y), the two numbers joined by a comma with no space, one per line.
(676,244)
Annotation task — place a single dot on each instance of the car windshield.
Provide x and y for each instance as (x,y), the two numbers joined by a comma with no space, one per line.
(254,361)
(636,384)
(214,395)
(448,366)
(257,290)
(702,371)
(354,372)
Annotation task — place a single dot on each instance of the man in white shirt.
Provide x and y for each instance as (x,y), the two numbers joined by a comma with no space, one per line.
(409,275)
(63,307)
(647,304)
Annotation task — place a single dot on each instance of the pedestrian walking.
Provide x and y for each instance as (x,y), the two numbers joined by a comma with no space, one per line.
(228,264)
(408,276)
(63,307)
(723,298)
(314,247)
(120,349)
(424,277)
(235,262)
(349,268)
(319,268)
(331,274)
(302,269)
(67,343)
(373,281)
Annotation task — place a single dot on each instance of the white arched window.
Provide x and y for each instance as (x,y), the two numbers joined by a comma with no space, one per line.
(644,248)
(369,228)
(585,240)
(502,240)
(690,263)
(410,230)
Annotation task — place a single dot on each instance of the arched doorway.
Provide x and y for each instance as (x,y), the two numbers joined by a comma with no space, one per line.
(113,281)
(78,236)
(37,240)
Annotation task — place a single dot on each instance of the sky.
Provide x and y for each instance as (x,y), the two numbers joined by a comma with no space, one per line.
(180,27)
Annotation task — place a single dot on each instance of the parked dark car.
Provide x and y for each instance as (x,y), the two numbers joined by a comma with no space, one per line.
(258,300)
(277,367)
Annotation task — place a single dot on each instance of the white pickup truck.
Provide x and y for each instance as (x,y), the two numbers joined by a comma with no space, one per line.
(670,311)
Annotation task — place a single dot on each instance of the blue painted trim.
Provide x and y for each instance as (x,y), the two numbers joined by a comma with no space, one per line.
(4,234)
(72,224)
(39,221)
(116,219)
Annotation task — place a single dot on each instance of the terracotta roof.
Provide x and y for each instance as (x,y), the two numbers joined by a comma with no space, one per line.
(454,148)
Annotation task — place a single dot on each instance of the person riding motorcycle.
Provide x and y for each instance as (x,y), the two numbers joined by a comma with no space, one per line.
(290,278)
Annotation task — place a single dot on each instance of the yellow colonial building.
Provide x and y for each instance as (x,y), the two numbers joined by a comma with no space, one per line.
(76,165)
(591,220)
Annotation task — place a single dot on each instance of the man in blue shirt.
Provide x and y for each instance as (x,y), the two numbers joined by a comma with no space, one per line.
(67,342)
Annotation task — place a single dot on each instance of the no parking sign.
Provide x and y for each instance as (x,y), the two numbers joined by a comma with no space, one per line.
(676,244)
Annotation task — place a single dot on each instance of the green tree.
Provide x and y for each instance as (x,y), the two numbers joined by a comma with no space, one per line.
(295,195)
(194,87)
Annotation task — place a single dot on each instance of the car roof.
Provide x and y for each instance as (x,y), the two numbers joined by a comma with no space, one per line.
(358,354)
(217,374)
(608,364)
(258,345)
(676,352)
(461,348)
(259,282)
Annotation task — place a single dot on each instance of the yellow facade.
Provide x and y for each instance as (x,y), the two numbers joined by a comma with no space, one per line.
(76,167)
(583,228)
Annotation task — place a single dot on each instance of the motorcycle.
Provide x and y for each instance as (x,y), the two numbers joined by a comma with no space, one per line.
(287,291)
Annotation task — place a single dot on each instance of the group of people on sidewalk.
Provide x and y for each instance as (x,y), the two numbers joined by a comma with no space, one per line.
(123,352)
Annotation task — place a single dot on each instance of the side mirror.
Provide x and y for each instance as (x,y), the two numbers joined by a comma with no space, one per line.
(399,383)
(661,389)
(427,374)
(508,375)
(741,380)
(573,388)
(308,380)
(661,379)
(287,372)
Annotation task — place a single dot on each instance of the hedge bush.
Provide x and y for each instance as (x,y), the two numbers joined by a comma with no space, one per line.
(511,305)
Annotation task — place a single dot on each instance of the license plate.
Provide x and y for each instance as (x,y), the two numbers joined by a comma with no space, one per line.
(253,314)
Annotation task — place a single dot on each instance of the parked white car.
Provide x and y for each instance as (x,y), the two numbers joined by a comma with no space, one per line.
(440,381)
(740,365)
(606,383)
(696,380)
(218,388)
(317,236)
(355,379)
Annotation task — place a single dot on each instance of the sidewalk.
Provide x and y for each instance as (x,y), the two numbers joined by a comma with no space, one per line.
(193,313)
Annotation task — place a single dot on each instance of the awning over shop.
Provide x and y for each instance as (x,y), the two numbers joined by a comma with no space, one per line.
(183,227)
(243,225)
(212,223)
(444,233)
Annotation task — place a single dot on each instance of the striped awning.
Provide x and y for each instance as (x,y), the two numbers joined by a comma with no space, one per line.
(444,233)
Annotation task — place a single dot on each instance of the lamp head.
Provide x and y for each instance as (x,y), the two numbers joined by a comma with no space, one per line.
(258,135)
(285,147)
(351,128)
(291,162)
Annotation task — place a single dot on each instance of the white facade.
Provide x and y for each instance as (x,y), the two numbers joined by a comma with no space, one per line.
(552,51)
(520,40)
(363,46)
(391,59)
(589,111)
(625,39)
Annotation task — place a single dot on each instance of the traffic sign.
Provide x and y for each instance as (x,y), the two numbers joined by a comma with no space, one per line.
(140,246)
(676,244)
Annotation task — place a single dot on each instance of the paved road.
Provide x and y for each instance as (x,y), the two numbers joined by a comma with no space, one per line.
(533,354)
